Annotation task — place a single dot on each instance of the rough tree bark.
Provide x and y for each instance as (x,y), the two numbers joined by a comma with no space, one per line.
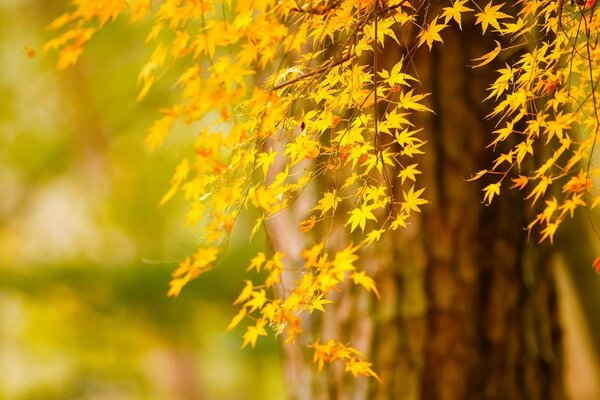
(468,308)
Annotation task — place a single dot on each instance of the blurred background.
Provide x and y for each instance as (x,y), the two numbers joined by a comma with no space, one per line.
(86,254)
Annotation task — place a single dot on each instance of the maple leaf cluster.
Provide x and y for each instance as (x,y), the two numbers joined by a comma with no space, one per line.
(290,95)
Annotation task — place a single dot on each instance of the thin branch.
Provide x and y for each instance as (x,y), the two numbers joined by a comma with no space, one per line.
(317,71)
(318,10)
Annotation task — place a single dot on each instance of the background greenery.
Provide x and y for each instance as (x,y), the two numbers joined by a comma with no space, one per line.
(86,254)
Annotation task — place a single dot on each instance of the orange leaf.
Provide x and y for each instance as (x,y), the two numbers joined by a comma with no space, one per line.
(520,182)
(29,52)
(307,225)
(596,265)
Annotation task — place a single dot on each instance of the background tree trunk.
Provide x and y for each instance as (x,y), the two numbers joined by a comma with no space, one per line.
(469,308)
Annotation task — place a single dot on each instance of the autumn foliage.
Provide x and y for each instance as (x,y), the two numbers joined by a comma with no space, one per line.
(289,100)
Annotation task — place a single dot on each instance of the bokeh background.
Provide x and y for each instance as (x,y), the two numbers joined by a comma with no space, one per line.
(86,254)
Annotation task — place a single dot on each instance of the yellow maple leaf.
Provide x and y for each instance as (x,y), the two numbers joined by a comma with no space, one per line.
(412,200)
(488,57)
(455,12)
(399,221)
(431,34)
(491,190)
(182,268)
(409,173)
(246,292)
(359,217)
(159,131)
(540,189)
(312,255)
(181,172)
(140,9)
(344,259)
(373,236)
(411,102)
(177,284)
(548,232)
(69,56)
(360,367)
(490,16)
(253,332)
(237,319)
(259,298)
(361,278)
(317,303)
(265,160)
(478,175)
(395,76)
(257,262)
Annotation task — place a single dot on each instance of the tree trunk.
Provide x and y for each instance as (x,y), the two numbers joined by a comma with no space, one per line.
(468,308)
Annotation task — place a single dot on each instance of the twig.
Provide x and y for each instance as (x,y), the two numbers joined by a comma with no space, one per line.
(325,67)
